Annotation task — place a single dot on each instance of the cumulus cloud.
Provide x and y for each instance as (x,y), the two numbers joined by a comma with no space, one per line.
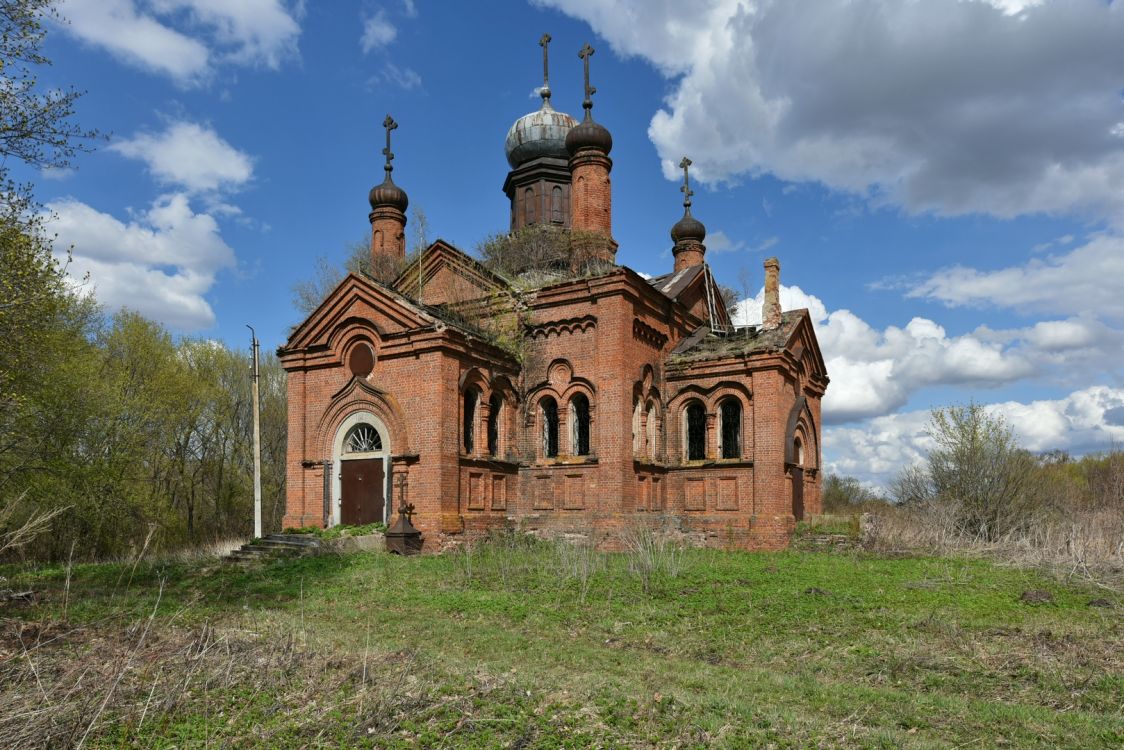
(1004,107)
(185,39)
(1089,278)
(160,263)
(378,32)
(875,372)
(1082,421)
(190,156)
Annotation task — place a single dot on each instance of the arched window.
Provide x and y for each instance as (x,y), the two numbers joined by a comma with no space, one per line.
(696,431)
(528,206)
(471,396)
(362,438)
(651,431)
(579,424)
(549,414)
(798,451)
(731,415)
(556,205)
(637,410)
(495,408)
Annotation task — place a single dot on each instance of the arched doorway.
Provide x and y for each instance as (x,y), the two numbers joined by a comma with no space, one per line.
(361,487)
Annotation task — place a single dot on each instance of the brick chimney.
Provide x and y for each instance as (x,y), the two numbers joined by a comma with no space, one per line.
(388,210)
(771,307)
(591,200)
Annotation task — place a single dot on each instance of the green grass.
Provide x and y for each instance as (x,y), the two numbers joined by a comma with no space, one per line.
(525,644)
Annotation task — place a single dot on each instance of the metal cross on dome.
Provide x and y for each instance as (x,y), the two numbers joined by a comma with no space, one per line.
(390,125)
(585,54)
(685,188)
(544,43)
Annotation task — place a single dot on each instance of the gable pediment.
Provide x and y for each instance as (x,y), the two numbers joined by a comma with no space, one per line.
(357,301)
(805,347)
(445,275)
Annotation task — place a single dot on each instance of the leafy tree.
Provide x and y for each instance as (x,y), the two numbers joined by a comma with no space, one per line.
(843,494)
(976,471)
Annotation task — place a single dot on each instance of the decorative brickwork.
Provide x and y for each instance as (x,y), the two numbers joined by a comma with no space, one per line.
(604,402)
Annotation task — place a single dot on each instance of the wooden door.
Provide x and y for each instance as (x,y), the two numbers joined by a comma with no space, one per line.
(362,491)
(798,493)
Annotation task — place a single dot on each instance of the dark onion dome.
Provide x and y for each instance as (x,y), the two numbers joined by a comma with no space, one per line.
(537,134)
(688,228)
(589,134)
(388,195)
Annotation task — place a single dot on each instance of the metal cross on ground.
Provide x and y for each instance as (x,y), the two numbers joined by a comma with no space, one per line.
(685,188)
(585,54)
(390,125)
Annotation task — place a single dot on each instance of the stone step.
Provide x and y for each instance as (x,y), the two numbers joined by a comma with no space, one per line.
(273,546)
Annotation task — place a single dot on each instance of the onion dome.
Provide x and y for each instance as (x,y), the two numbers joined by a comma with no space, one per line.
(589,135)
(388,195)
(687,228)
(537,134)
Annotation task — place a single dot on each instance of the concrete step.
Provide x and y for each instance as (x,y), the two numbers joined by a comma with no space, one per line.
(302,540)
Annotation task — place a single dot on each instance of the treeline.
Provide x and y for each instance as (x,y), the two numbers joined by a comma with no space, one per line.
(977,487)
(121,432)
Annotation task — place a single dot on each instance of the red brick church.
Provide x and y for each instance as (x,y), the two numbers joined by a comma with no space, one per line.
(587,400)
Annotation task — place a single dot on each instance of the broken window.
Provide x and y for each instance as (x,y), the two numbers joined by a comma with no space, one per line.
(652,431)
(549,408)
(470,398)
(579,419)
(495,407)
(696,432)
(731,412)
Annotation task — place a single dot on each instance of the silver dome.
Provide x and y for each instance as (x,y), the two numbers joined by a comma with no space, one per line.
(540,133)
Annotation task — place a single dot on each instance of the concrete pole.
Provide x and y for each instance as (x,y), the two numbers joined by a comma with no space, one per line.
(257,435)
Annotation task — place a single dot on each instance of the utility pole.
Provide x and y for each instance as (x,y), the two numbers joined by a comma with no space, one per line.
(257,434)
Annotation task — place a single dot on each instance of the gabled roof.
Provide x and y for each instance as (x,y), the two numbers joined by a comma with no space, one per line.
(795,334)
(442,254)
(678,285)
(388,310)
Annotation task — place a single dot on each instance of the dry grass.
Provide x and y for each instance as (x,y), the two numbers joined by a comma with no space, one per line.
(1089,543)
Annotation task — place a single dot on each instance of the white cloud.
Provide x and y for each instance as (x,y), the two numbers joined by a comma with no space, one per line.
(875,372)
(1004,107)
(378,32)
(135,38)
(189,155)
(185,39)
(1086,420)
(1088,279)
(719,242)
(161,263)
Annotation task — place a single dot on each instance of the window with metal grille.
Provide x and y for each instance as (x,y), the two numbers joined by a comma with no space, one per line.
(696,432)
(549,415)
(495,408)
(731,414)
(579,418)
(362,438)
(471,396)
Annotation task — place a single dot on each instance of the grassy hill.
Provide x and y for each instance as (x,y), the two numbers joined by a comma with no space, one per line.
(527,644)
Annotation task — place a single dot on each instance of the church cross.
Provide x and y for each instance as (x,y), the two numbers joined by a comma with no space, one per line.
(390,125)
(585,54)
(544,43)
(685,165)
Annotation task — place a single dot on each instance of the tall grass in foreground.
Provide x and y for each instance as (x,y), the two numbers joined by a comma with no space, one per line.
(1086,542)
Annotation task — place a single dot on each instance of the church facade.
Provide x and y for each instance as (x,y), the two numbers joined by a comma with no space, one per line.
(586,401)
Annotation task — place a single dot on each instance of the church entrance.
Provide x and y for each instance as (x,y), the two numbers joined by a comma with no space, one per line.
(361,488)
(362,491)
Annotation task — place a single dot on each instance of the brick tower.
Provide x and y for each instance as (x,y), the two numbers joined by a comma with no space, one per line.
(688,233)
(538,184)
(388,211)
(589,145)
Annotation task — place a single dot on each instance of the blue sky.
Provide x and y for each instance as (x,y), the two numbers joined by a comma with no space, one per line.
(943,182)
